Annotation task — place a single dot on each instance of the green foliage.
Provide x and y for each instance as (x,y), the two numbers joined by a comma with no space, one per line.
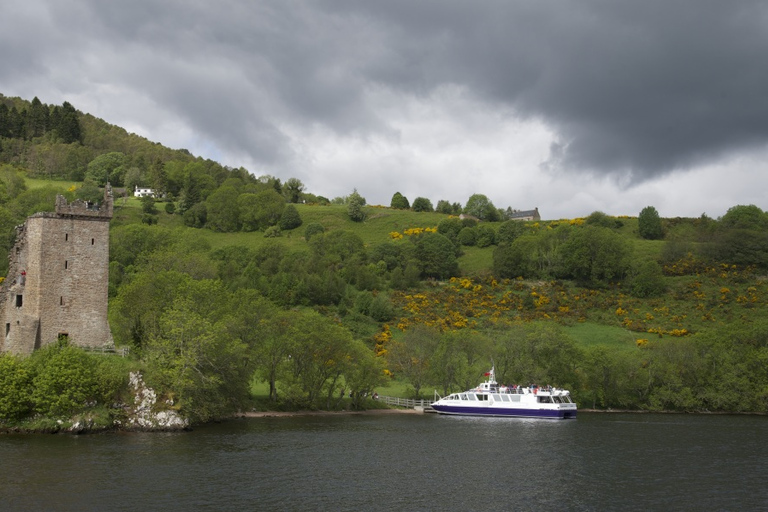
(649,224)
(450,228)
(273,232)
(170,208)
(355,204)
(467,236)
(486,236)
(11,183)
(422,204)
(437,256)
(410,357)
(479,206)
(290,218)
(222,209)
(594,255)
(313,229)
(90,192)
(107,167)
(64,381)
(600,219)
(196,216)
(15,388)
(745,217)
(447,208)
(292,189)
(399,202)
(647,280)
(261,210)
(196,359)
(148,205)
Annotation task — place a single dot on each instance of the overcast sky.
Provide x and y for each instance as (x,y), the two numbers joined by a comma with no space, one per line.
(570,107)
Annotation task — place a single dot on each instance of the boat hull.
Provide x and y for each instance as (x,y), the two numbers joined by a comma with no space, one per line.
(555,414)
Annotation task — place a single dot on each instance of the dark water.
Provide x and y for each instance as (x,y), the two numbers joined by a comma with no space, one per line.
(400,462)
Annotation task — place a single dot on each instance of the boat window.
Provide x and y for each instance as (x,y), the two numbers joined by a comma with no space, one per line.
(514,398)
(505,398)
(567,399)
(557,399)
(471,396)
(497,398)
(463,396)
(544,399)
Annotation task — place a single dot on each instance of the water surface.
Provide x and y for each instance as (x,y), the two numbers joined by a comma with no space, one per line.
(400,462)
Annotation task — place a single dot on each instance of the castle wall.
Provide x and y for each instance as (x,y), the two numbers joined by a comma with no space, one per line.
(58,279)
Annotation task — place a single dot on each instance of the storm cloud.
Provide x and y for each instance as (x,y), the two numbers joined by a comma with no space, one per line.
(562,105)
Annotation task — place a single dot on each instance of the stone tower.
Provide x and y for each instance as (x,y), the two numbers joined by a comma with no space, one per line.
(58,278)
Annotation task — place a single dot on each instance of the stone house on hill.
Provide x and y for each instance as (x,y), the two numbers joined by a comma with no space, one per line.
(526,215)
(58,278)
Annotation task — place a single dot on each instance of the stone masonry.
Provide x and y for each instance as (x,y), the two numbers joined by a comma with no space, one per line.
(58,278)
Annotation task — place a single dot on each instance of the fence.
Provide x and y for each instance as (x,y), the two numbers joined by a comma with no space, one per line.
(406,402)
(108,350)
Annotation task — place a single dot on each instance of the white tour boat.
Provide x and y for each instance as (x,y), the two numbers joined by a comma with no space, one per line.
(490,399)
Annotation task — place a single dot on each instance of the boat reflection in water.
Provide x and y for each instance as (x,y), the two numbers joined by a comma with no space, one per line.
(490,399)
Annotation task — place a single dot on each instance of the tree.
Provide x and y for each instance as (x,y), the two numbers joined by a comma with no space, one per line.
(148,205)
(261,210)
(290,219)
(450,228)
(197,359)
(355,204)
(411,356)
(292,189)
(68,124)
(467,236)
(437,256)
(594,254)
(486,236)
(399,202)
(222,207)
(647,280)
(422,204)
(510,230)
(649,224)
(745,217)
(445,207)
(481,207)
(106,167)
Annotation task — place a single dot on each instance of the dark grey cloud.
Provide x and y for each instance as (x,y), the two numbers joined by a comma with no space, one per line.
(630,89)
(638,88)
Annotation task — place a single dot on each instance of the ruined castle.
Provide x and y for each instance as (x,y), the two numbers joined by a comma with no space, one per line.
(58,278)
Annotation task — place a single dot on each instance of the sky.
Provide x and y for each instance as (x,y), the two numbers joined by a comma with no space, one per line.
(570,107)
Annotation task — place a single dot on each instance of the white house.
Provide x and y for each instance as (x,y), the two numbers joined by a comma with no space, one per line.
(142,192)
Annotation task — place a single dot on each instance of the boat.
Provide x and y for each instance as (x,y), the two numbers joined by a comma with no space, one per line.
(490,399)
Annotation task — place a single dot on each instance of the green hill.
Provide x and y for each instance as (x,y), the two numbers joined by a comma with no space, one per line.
(229,283)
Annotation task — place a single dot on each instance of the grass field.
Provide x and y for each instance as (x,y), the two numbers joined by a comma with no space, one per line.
(588,334)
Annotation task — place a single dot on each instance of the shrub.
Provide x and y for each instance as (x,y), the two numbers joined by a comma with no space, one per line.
(272,232)
(15,387)
(313,229)
(467,236)
(65,380)
(290,218)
